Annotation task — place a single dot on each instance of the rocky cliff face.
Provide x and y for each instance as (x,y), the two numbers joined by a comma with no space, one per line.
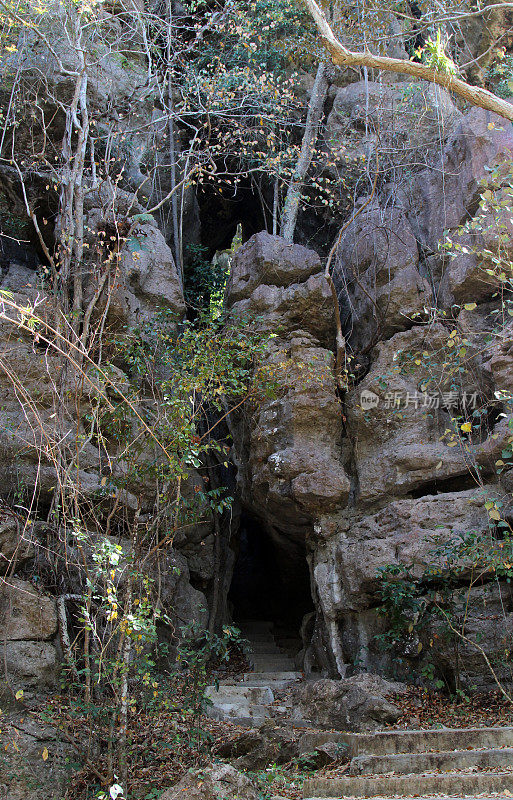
(368,478)
(351,478)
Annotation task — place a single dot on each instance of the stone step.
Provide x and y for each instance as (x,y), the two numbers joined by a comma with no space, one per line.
(265,648)
(416,741)
(275,680)
(274,675)
(240,692)
(444,783)
(275,657)
(253,715)
(254,626)
(406,763)
(430,797)
(268,665)
(422,741)
(309,741)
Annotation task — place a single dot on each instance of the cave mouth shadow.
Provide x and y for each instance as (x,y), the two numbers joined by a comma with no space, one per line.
(271,579)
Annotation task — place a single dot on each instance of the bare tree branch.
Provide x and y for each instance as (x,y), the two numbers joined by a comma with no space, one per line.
(342,57)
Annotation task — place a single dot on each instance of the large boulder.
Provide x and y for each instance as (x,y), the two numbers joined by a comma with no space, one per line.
(359,703)
(444,194)
(29,664)
(399,412)
(366,116)
(218,782)
(28,621)
(26,613)
(402,532)
(16,542)
(146,279)
(290,467)
(258,748)
(377,276)
(483,614)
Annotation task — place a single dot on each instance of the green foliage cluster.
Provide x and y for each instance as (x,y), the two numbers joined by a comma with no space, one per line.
(204,280)
(433,55)
(500,75)
(433,602)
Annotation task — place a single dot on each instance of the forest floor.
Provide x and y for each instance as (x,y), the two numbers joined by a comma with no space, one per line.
(425,708)
(163,744)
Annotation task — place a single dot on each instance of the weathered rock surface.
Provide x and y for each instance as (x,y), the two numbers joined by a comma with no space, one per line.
(257,749)
(24,739)
(397,443)
(378,278)
(30,663)
(485,614)
(25,613)
(289,458)
(219,782)
(16,542)
(412,118)
(441,198)
(403,532)
(28,622)
(400,481)
(359,703)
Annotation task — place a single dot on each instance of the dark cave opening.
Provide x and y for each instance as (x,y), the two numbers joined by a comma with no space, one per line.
(224,207)
(271,579)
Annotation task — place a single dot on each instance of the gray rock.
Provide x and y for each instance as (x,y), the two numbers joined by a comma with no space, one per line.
(257,749)
(29,664)
(218,782)
(412,118)
(26,613)
(27,775)
(269,260)
(481,140)
(289,457)
(377,276)
(359,703)
(16,543)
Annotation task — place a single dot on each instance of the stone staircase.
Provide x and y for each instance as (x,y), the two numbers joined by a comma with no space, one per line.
(250,699)
(422,763)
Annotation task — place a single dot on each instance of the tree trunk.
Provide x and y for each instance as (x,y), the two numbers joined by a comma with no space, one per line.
(342,57)
(313,118)
(172,151)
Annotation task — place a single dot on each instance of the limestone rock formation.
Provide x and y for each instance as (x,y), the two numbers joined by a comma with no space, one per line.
(24,739)
(28,621)
(360,703)
(219,782)
(392,119)
(380,276)
(409,485)
(439,199)
(288,452)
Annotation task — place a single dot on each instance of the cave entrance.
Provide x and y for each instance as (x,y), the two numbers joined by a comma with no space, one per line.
(271,580)
(223,208)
